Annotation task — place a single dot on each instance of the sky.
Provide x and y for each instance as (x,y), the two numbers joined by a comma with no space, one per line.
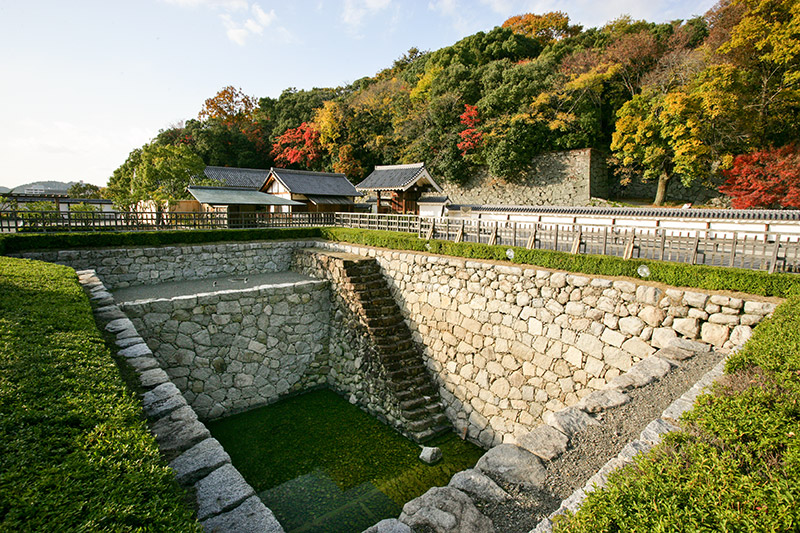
(82,83)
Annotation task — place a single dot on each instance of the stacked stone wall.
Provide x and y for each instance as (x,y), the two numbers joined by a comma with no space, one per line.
(230,351)
(124,267)
(510,344)
(559,178)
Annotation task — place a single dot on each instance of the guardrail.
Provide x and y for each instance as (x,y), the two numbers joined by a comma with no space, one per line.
(722,245)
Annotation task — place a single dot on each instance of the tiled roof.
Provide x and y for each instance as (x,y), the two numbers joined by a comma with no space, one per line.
(392,177)
(315,183)
(251,178)
(653,212)
(237,196)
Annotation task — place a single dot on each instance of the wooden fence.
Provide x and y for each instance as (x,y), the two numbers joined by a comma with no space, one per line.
(46,221)
(766,250)
(770,251)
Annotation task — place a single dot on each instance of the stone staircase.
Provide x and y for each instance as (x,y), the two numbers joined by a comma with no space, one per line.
(394,347)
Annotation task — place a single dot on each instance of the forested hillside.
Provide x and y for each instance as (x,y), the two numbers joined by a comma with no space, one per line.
(670,101)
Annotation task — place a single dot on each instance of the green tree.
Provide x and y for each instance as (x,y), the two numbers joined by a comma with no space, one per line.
(661,136)
(164,173)
(84,190)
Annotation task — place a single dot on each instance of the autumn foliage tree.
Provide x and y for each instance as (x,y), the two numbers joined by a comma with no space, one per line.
(231,106)
(299,146)
(470,137)
(766,178)
(546,28)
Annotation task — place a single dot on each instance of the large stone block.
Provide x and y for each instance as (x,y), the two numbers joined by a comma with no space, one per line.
(514,465)
(445,510)
(220,491)
(545,442)
(479,486)
(715,334)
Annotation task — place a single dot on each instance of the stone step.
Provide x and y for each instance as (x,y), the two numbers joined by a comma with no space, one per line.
(384,321)
(408,372)
(416,414)
(414,403)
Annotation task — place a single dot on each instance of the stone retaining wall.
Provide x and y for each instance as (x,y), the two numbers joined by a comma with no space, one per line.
(510,344)
(571,177)
(123,267)
(233,350)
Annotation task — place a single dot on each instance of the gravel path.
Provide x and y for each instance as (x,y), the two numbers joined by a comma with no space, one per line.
(592,448)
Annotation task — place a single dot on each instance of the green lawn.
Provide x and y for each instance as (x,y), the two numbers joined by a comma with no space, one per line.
(75,453)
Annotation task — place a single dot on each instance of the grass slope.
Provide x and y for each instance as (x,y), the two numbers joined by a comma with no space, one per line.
(75,454)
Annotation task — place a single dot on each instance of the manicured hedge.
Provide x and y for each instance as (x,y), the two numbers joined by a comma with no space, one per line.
(675,274)
(18,242)
(736,464)
(75,454)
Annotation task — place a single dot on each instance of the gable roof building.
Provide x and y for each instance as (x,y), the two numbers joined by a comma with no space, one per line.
(319,191)
(406,183)
(251,178)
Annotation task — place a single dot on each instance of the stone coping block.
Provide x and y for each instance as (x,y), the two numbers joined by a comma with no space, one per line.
(514,465)
(546,442)
(220,491)
(162,401)
(251,516)
(570,421)
(119,325)
(603,399)
(153,378)
(199,461)
(478,486)
(179,431)
(136,350)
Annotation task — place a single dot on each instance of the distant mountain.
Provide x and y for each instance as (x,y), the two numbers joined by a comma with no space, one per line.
(43,187)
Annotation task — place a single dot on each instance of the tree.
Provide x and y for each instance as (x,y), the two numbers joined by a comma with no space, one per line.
(84,190)
(164,173)
(119,184)
(766,178)
(661,136)
(299,147)
(547,28)
(470,137)
(230,105)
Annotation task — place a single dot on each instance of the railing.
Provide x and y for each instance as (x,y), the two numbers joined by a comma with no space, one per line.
(771,251)
(46,221)
(725,246)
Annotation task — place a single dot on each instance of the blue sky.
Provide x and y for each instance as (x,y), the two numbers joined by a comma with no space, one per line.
(85,82)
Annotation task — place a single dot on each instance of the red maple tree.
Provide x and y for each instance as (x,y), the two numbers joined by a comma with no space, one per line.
(299,146)
(767,178)
(471,137)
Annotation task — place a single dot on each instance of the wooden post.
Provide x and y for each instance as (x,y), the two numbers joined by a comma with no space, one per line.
(774,259)
(478,236)
(447,228)
(531,244)
(663,244)
(460,234)
(693,259)
(493,238)
(605,240)
(432,230)
(629,247)
(733,249)
(576,244)
(514,233)
(555,239)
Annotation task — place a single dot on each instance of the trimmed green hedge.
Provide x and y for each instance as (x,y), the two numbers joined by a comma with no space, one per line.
(736,464)
(75,454)
(675,274)
(17,242)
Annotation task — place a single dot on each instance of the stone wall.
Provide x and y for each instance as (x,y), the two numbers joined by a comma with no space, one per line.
(559,178)
(698,193)
(123,267)
(230,351)
(509,344)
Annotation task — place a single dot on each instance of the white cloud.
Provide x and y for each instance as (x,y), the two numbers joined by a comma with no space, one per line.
(355,10)
(240,18)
